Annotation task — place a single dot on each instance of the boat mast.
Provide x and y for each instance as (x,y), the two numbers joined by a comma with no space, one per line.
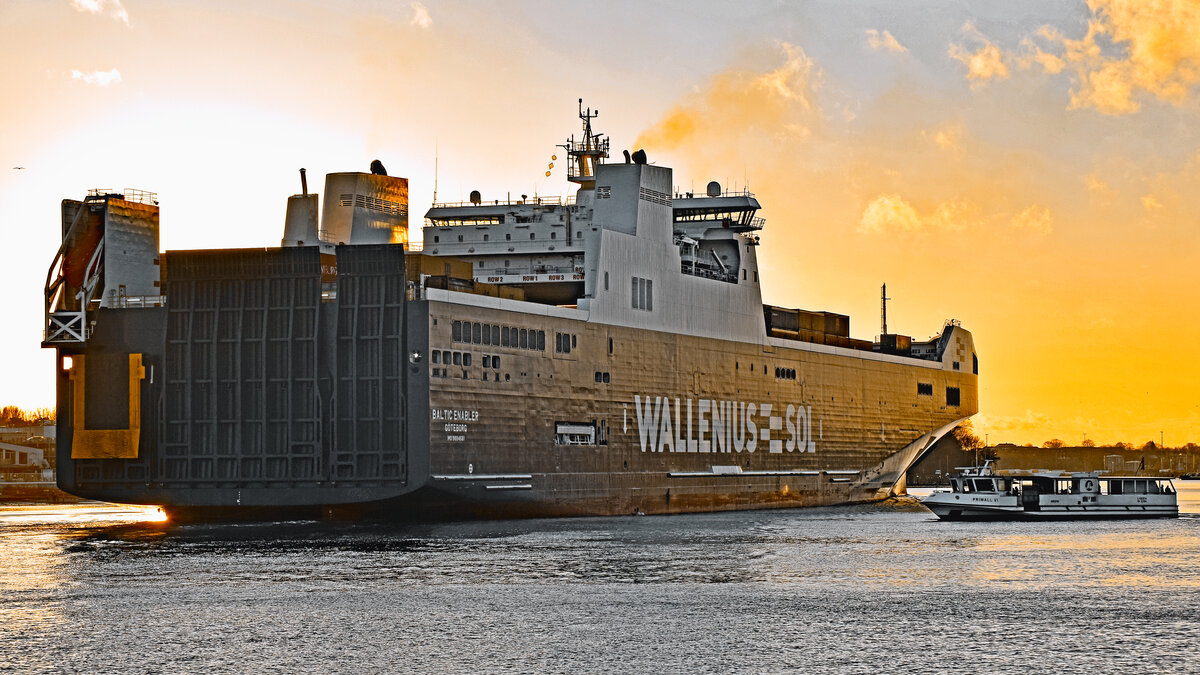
(586,154)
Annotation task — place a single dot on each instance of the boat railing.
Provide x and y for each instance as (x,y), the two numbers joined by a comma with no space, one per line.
(529,201)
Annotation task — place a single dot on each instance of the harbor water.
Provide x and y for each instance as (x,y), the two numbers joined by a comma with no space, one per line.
(868,588)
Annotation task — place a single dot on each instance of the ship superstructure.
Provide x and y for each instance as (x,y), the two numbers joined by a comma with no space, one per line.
(606,353)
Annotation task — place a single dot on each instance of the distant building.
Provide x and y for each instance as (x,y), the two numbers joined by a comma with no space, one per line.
(947,455)
(20,463)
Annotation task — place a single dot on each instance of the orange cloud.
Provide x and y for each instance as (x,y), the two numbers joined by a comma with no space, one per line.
(1132,49)
(1035,219)
(983,64)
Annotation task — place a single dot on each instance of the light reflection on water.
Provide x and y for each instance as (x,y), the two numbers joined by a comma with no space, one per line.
(99,587)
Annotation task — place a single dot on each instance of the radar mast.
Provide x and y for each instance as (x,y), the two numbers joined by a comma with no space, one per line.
(585,154)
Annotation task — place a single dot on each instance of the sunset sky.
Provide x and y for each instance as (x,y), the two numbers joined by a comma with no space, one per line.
(1028,168)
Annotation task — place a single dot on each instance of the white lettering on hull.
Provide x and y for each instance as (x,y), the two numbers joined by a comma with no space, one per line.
(711,426)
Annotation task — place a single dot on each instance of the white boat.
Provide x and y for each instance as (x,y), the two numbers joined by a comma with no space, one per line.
(980,493)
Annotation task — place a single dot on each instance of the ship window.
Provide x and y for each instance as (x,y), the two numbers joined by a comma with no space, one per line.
(458,358)
(446,356)
(487,334)
(496,361)
(495,335)
(476,331)
(573,342)
(924,389)
(541,341)
(597,376)
(975,364)
(487,362)
(755,276)
(504,336)
(485,237)
(743,275)
(606,281)
(642,291)
(554,235)
(610,346)
(606,378)
(953,396)
(460,237)
(437,356)
(467,359)
(531,236)
(956,365)
(456,331)
(508,236)
(523,341)
(436,239)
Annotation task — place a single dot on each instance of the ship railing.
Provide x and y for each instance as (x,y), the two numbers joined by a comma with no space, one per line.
(128,194)
(703,195)
(529,201)
(414,246)
(540,269)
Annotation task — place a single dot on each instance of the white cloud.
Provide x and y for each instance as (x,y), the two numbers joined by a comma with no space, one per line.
(884,40)
(100,78)
(113,8)
(421,16)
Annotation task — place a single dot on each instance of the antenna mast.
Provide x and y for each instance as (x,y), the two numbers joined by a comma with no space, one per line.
(435,160)
(585,155)
(883,311)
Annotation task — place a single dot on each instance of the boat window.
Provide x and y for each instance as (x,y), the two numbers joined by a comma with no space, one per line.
(523,340)
(456,331)
(984,485)
(495,335)
(487,334)
(487,361)
(508,237)
(967,486)
(541,341)
(436,356)
(467,359)
(458,358)
(476,335)
(504,336)
(924,389)
(496,361)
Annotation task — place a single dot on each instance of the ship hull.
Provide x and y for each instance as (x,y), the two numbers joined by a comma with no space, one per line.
(366,399)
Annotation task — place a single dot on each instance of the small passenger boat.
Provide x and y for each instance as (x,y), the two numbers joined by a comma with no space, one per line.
(979,493)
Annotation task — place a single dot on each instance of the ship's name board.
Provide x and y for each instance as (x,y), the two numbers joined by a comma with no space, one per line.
(455,420)
(706,425)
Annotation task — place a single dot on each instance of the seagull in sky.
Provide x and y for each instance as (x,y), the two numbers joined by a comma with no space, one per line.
(18,168)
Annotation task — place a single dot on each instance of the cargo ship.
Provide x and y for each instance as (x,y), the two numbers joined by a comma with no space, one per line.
(607,353)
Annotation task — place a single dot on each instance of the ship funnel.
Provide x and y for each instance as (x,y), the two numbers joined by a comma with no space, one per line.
(476,198)
(303,184)
(639,156)
(714,189)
